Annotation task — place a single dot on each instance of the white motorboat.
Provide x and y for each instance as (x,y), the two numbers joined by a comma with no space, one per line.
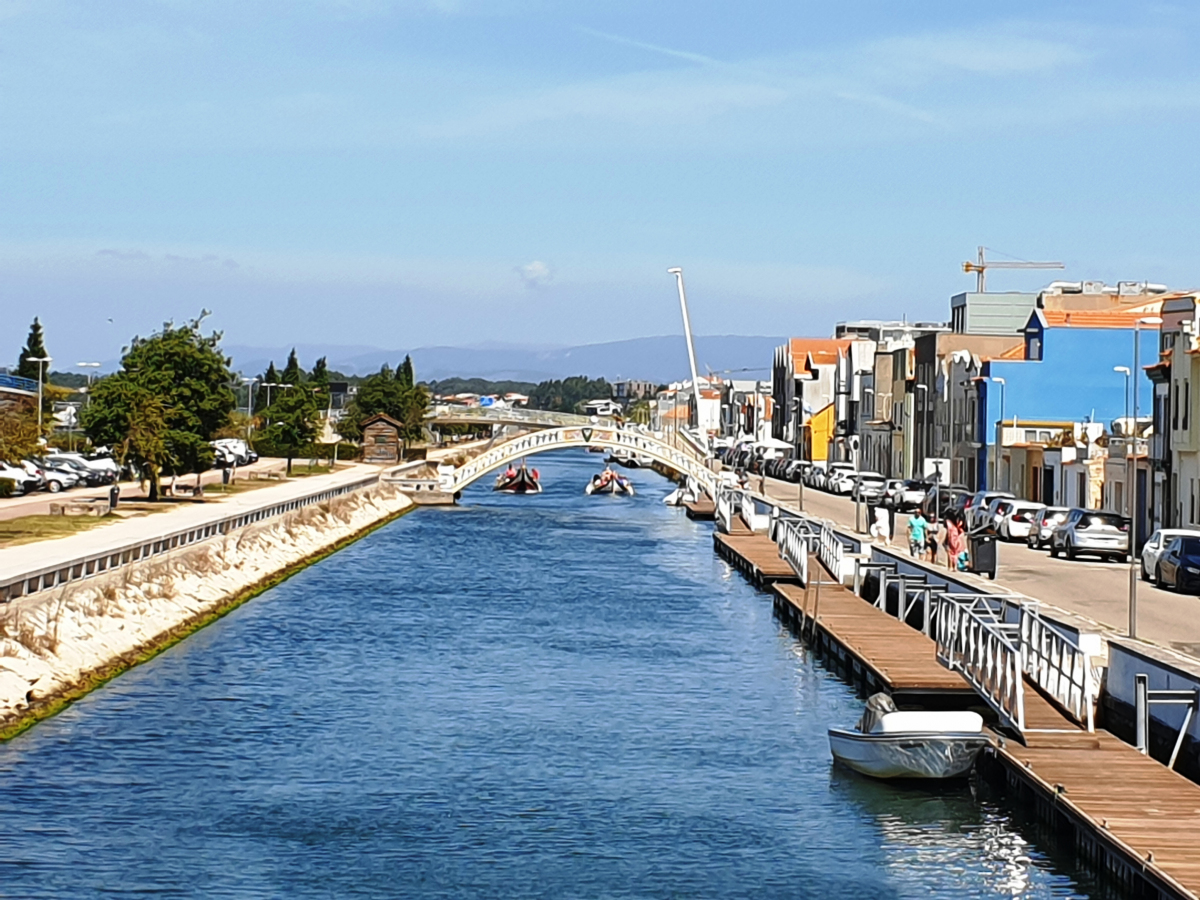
(888,743)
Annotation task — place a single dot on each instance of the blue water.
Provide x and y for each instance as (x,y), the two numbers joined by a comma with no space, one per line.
(524,697)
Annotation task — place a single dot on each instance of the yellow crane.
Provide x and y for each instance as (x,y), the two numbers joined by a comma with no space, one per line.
(981,266)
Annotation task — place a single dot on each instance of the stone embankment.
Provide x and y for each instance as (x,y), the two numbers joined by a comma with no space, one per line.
(60,643)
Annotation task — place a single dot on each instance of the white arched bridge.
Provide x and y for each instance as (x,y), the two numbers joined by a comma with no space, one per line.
(451,482)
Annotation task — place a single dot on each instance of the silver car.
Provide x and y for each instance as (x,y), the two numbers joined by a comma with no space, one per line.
(1015,523)
(1043,524)
(1105,534)
(1157,545)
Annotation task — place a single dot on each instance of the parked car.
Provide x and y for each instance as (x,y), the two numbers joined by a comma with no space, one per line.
(943,498)
(1043,523)
(88,476)
(23,481)
(891,492)
(868,487)
(839,478)
(978,510)
(795,470)
(1179,566)
(54,478)
(1157,546)
(99,463)
(1105,534)
(1015,522)
(912,495)
(33,471)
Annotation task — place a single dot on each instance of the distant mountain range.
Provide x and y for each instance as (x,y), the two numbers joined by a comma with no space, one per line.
(659,359)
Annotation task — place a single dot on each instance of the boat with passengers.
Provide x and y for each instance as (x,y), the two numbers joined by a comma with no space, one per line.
(520,480)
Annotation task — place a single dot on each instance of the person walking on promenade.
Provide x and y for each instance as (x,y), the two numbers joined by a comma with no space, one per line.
(880,526)
(917,524)
(956,544)
(931,538)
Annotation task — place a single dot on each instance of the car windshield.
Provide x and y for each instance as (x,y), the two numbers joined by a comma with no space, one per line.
(1102,520)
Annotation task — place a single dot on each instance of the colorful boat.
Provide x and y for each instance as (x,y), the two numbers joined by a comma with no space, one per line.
(609,482)
(518,481)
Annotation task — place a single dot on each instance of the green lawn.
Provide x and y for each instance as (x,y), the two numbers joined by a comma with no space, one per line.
(27,529)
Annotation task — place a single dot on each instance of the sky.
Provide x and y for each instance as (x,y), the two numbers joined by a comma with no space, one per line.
(451,172)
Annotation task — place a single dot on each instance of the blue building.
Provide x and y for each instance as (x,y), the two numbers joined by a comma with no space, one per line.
(1064,372)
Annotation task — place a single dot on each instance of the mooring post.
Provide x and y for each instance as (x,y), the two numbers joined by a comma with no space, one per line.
(1141,712)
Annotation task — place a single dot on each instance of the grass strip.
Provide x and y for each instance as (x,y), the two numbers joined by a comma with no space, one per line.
(98,677)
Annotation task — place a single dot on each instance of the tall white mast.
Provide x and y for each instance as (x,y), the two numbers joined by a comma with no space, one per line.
(687,333)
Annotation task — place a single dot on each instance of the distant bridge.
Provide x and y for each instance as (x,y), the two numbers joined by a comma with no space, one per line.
(447,414)
(544,440)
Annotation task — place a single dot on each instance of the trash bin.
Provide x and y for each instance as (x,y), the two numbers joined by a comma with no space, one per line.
(983,553)
(114,496)
(225,475)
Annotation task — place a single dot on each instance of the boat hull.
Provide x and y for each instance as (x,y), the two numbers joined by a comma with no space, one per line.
(912,755)
(611,488)
(521,483)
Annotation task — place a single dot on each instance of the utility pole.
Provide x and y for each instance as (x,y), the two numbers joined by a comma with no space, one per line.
(1133,490)
(41,361)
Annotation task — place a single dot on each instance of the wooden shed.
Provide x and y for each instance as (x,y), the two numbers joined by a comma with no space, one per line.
(381,440)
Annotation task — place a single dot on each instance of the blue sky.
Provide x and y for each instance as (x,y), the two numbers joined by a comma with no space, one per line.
(396,174)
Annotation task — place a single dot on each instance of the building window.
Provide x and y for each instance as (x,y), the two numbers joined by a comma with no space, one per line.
(1175,408)
(1187,402)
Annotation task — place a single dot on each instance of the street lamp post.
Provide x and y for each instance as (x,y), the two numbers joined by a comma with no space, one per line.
(1130,474)
(41,361)
(687,333)
(1133,490)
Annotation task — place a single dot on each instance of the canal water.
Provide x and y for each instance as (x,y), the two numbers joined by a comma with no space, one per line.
(523,697)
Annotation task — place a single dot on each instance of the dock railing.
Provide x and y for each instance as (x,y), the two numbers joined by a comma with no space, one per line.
(795,540)
(1058,666)
(971,641)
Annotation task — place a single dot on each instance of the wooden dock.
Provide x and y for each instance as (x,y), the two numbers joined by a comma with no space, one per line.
(1126,814)
(877,649)
(703,509)
(754,555)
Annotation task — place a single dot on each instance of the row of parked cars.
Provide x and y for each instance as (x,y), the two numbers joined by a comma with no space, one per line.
(59,471)
(1170,558)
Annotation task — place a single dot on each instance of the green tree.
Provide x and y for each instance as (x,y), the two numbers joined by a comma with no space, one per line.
(292,373)
(320,373)
(568,394)
(35,348)
(19,434)
(393,394)
(268,377)
(295,418)
(171,395)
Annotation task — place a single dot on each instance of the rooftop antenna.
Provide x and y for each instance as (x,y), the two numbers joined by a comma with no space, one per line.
(983,264)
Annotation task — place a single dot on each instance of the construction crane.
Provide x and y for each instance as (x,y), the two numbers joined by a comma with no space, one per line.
(980,268)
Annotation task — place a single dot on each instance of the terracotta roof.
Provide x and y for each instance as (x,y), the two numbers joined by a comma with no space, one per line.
(1017,351)
(824,351)
(1095,318)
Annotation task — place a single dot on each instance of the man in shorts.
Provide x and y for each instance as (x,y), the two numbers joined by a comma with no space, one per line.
(917,526)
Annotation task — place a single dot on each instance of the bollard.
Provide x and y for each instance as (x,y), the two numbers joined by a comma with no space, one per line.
(225,476)
(114,496)
(1142,712)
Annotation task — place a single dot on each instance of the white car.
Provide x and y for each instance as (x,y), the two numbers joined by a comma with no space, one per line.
(105,464)
(23,481)
(868,487)
(1017,519)
(53,479)
(1157,545)
(1091,531)
(980,513)
(839,478)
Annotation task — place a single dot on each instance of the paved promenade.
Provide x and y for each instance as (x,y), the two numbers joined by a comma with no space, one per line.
(1095,590)
(16,561)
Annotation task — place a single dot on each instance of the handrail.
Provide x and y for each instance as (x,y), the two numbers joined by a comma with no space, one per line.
(980,649)
(17,383)
(116,557)
(514,416)
(794,545)
(1058,666)
(576,436)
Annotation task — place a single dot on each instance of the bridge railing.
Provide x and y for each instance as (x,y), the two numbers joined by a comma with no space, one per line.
(17,383)
(556,438)
(514,416)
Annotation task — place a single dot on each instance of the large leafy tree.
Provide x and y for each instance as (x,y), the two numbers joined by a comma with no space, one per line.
(35,348)
(171,396)
(295,419)
(391,393)
(18,434)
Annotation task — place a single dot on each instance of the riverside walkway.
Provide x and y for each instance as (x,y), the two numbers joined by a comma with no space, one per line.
(1128,815)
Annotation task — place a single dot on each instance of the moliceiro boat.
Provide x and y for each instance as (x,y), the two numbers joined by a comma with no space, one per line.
(609,482)
(629,459)
(887,743)
(518,481)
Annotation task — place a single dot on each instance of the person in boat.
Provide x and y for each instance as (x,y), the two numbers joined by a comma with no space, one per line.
(510,472)
(535,474)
